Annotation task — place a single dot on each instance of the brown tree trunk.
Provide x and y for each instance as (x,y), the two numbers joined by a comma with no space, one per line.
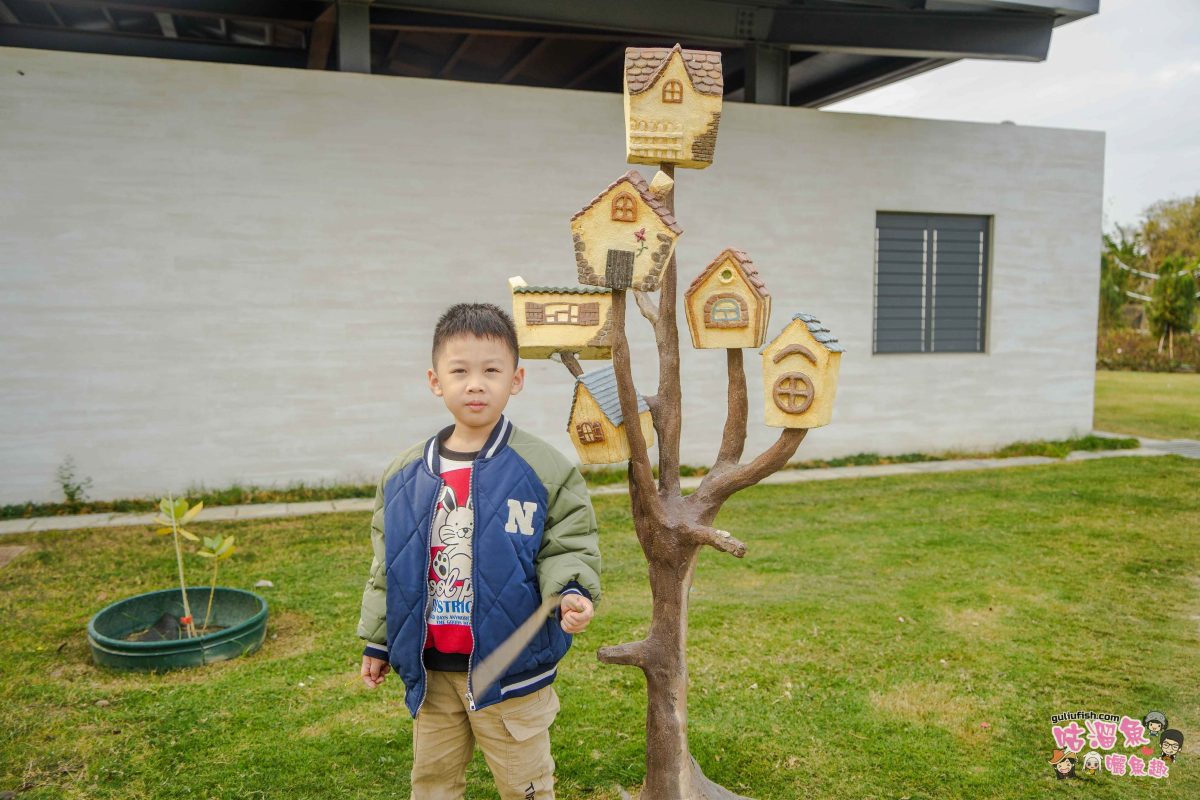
(671,771)
(668,759)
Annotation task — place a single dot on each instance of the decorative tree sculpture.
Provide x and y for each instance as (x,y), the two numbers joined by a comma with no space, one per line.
(672,102)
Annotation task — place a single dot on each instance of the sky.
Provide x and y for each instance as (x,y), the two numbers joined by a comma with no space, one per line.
(1132,71)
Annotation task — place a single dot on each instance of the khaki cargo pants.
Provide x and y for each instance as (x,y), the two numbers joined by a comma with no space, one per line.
(514,736)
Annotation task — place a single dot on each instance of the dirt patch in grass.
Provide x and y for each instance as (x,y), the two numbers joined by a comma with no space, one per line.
(377,717)
(289,634)
(934,704)
(976,623)
(52,771)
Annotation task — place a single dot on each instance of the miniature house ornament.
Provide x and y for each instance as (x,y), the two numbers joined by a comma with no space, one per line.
(800,374)
(672,105)
(596,425)
(727,304)
(566,319)
(625,236)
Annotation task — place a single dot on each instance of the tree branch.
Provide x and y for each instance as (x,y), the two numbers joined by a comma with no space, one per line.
(569,361)
(647,306)
(733,440)
(639,457)
(717,538)
(719,485)
(631,654)
(666,330)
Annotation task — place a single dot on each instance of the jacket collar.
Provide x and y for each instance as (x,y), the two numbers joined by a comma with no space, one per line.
(496,441)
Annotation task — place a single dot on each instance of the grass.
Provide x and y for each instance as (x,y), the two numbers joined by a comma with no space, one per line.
(1154,404)
(856,652)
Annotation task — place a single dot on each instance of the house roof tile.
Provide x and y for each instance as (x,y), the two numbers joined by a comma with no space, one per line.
(634,179)
(602,384)
(820,332)
(643,65)
(744,264)
(561,289)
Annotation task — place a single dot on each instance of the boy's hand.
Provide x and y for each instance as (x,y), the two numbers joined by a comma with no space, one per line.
(373,671)
(576,612)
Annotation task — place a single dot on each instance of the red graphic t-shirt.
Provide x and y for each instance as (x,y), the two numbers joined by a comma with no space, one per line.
(450,587)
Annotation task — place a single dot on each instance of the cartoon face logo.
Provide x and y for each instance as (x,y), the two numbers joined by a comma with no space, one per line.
(456,529)
(1063,762)
(1091,763)
(1172,743)
(1155,722)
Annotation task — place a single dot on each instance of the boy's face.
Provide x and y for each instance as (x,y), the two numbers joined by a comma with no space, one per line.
(475,377)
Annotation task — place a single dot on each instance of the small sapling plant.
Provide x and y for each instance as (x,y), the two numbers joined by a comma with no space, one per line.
(176,514)
(218,548)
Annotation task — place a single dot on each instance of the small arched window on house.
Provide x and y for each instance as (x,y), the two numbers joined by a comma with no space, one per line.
(623,208)
(726,310)
(672,92)
(590,432)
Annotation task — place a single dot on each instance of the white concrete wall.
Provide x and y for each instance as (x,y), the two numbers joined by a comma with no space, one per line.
(215,273)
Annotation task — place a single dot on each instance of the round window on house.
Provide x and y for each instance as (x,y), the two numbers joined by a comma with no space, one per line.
(726,275)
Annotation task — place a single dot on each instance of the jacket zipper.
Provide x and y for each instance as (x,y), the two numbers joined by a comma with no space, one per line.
(474,500)
(425,577)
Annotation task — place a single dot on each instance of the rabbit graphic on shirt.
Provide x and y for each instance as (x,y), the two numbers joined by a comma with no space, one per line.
(452,564)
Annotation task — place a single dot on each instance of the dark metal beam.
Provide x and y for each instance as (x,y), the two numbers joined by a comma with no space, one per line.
(664,17)
(767,74)
(598,65)
(915,33)
(525,55)
(390,55)
(167,23)
(126,44)
(54,14)
(293,11)
(1072,9)
(919,34)
(320,41)
(417,22)
(848,83)
(354,36)
(454,58)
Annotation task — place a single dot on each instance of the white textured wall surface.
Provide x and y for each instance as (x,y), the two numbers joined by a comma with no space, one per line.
(216,273)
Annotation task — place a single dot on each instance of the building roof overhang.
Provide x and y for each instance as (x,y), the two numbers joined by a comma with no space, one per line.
(825,50)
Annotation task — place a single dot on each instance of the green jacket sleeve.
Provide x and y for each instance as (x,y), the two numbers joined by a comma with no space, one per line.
(570,549)
(372,619)
(372,622)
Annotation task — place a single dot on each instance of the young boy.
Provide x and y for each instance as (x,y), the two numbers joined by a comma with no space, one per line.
(471,529)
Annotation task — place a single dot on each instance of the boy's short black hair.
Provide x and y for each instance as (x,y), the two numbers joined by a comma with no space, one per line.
(483,320)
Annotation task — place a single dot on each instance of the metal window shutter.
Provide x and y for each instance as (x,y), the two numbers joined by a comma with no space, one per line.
(901,252)
(958,290)
(931,277)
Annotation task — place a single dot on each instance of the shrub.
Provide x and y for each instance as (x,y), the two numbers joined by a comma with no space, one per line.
(1138,351)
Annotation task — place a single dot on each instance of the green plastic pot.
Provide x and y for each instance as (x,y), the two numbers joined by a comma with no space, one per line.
(242,614)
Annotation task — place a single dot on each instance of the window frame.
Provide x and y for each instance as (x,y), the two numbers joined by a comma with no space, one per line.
(628,210)
(932,224)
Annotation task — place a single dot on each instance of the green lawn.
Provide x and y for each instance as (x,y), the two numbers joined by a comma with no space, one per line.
(1023,593)
(1161,405)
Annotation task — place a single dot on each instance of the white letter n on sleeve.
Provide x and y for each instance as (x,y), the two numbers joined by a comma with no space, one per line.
(520,515)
